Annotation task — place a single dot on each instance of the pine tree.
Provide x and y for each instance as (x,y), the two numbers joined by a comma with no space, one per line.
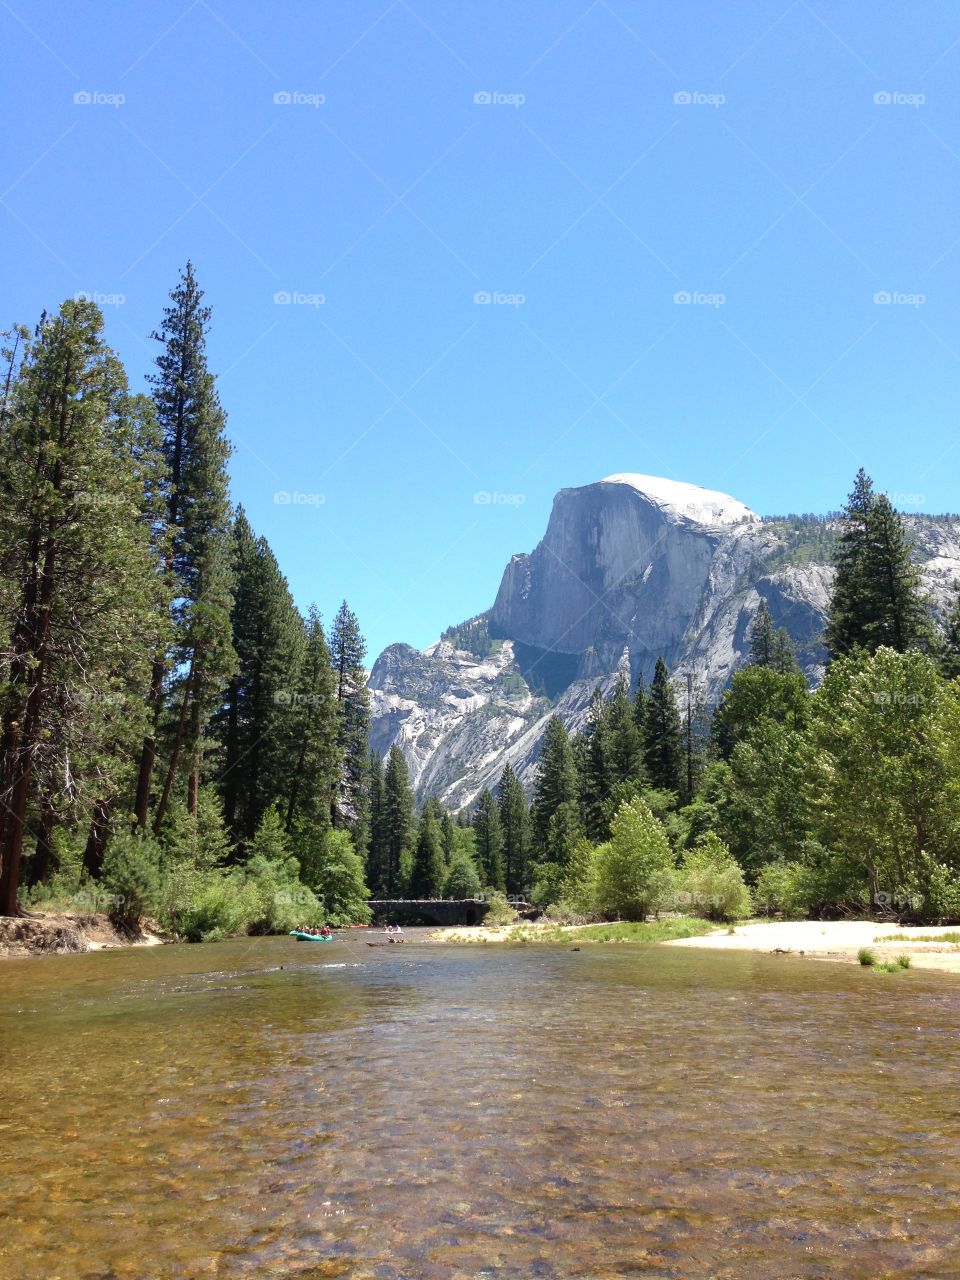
(763,638)
(198,517)
(557,781)
(309,743)
(515,826)
(950,651)
(596,770)
(877,598)
(376,867)
(626,741)
(488,838)
(429,869)
(253,725)
(348,649)
(397,819)
(663,749)
(78,581)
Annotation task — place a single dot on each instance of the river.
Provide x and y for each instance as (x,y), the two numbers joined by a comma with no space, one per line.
(270,1108)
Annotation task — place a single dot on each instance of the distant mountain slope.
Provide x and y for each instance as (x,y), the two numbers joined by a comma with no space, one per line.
(629,569)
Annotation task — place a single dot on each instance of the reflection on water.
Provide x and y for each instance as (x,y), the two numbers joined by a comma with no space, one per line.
(268,1108)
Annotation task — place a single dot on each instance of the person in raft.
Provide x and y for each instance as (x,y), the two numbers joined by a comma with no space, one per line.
(326,932)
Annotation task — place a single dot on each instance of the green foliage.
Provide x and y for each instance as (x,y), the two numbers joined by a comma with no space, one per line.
(500,910)
(348,649)
(877,599)
(515,829)
(336,876)
(663,746)
(131,878)
(712,883)
(429,870)
(866,957)
(556,783)
(635,867)
(395,831)
(462,879)
(488,840)
(472,636)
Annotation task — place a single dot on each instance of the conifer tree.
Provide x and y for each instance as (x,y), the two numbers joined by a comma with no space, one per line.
(397,819)
(625,739)
(198,517)
(596,771)
(663,749)
(488,840)
(763,637)
(310,742)
(261,698)
(429,869)
(950,651)
(78,576)
(557,781)
(348,649)
(640,700)
(376,867)
(515,827)
(876,597)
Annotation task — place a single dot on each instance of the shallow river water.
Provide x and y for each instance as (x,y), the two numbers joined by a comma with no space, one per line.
(273,1108)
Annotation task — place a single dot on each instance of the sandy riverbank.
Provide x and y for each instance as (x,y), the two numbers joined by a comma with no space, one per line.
(63,932)
(814,939)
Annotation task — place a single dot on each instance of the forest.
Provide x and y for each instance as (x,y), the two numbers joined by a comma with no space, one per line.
(180,742)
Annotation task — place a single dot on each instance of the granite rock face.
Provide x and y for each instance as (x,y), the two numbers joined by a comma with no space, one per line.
(630,568)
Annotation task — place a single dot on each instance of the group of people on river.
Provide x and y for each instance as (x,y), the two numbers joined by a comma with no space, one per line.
(325,932)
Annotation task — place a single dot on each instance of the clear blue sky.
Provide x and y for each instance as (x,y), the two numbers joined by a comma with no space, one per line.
(584,186)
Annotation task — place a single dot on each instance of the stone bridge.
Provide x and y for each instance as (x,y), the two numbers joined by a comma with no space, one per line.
(438,911)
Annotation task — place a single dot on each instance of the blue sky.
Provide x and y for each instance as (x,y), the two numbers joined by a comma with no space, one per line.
(786,166)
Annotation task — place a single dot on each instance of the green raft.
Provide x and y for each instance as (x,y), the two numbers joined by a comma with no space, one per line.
(308,937)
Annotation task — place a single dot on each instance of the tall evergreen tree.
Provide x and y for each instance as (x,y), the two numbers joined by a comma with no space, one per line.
(763,637)
(557,781)
(310,741)
(348,649)
(626,741)
(876,597)
(377,864)
(198,517)
(515,827)
(398,824)
(950,649)
(429,869)
(78,576)
(488,840)
(663,745)
(252,726)
(596,771)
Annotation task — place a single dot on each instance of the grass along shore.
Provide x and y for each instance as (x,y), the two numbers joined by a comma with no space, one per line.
(928,947)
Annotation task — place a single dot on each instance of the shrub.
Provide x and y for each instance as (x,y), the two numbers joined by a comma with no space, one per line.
(712,882)
(866,957)
(131,878)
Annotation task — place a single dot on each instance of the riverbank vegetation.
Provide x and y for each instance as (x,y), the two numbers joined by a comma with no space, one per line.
(179,742)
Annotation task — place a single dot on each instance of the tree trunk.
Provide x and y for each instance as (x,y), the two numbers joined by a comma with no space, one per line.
(39,868)
(175,753)
(97,839)
(148,753)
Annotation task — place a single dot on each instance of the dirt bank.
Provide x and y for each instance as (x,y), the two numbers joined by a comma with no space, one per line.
(60,932)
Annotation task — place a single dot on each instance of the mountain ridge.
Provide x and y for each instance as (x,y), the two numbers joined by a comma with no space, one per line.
(630,568)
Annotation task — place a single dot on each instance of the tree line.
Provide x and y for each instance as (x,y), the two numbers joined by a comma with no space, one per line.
(174,734)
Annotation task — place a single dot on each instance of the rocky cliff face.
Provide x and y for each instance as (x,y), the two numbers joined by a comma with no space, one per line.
(631,568)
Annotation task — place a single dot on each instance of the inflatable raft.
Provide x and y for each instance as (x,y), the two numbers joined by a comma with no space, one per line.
(309,937)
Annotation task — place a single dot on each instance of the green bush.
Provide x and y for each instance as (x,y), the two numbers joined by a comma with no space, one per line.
(131,878)
(866,957)
(711,882)
(462,879)
(635,874)
(500,912)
